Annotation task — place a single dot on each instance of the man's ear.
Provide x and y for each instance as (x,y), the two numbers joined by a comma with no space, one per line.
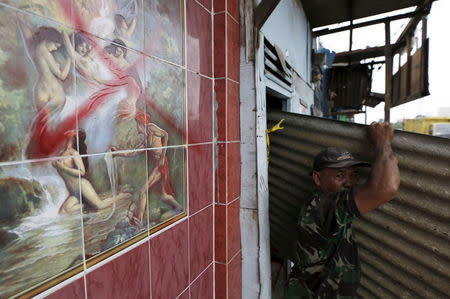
(316,177)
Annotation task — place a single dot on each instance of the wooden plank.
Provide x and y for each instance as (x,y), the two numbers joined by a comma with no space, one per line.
(357,55)
(263,11)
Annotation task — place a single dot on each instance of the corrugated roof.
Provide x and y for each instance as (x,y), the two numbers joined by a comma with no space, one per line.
(327,12)
(404,244)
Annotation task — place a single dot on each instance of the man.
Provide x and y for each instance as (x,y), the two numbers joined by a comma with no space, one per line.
(159,176)
(326,257)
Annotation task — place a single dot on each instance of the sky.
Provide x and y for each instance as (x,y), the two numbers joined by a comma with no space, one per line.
(438,102)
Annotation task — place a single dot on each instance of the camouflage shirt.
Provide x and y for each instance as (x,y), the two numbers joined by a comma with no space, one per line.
(326,257)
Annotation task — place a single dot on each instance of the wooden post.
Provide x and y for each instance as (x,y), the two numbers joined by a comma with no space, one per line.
(408,64)
(351,37)
(388,73)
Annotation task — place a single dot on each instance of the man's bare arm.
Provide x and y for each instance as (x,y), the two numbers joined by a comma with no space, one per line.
(384,178)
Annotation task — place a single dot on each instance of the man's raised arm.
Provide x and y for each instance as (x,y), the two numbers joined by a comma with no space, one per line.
(384,178)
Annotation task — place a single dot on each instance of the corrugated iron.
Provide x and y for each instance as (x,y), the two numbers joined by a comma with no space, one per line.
(404,244)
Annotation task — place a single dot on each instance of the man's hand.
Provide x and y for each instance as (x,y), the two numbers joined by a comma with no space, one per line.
(381,134)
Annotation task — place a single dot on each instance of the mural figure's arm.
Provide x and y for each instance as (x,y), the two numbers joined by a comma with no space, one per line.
(132,26)
(61,74)
(79,169)
(156,131)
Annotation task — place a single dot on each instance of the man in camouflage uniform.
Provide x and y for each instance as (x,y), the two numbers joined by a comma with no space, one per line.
(326,257)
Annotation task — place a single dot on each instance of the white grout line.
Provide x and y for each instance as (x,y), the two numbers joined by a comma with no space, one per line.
(201,210)
(199,144)
(186,107)
(228,13)
(204,6)
(219,12)
(234,81)
(229,203)
(204,270)
(226,147)
(201,75)
(235,255)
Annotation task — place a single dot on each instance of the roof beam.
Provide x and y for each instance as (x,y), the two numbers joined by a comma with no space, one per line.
(358,55)
(369,23)
(263,11)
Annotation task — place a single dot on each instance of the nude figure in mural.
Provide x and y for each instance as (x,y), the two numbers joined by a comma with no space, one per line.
(123,29)
(159,176)
(72,170)
(42,44)
(81,53)
(49,94)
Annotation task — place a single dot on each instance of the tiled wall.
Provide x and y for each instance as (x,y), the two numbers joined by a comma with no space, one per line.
(182,70)
(228,171)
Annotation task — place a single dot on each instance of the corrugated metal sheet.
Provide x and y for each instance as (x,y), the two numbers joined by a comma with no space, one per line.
(404,244)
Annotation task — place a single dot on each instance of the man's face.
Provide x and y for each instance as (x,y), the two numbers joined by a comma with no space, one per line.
(335,179)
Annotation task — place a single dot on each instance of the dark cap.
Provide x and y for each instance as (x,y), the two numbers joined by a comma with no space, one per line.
(334,157)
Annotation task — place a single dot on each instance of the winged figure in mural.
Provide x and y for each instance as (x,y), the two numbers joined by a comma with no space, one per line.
(125,22)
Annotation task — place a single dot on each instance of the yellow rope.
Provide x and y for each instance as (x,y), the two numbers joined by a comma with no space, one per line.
(268,131)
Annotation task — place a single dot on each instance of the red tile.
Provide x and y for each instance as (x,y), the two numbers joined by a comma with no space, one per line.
(233,49)
(233,171)
(206,3)
(235,278)
(202,288)
(124,277)
(233,111)
(199,108)
(74,290)
(199,38)
(219,46)
(170,262)
(221,100)
(233,229)
(220,225)
(201,241)
(221,281)
(220,173)
(219,5)
(184,295)
(233,9)
(200,176)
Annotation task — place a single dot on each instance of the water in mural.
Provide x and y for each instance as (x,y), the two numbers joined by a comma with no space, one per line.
(92,122)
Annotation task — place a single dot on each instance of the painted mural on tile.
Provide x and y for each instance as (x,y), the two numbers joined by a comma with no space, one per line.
(91,132)
(163,33)
(36,242)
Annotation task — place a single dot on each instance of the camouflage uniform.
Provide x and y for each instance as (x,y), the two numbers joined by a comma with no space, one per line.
(326,257)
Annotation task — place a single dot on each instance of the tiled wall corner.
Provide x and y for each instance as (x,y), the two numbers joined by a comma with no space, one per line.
(227,151)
